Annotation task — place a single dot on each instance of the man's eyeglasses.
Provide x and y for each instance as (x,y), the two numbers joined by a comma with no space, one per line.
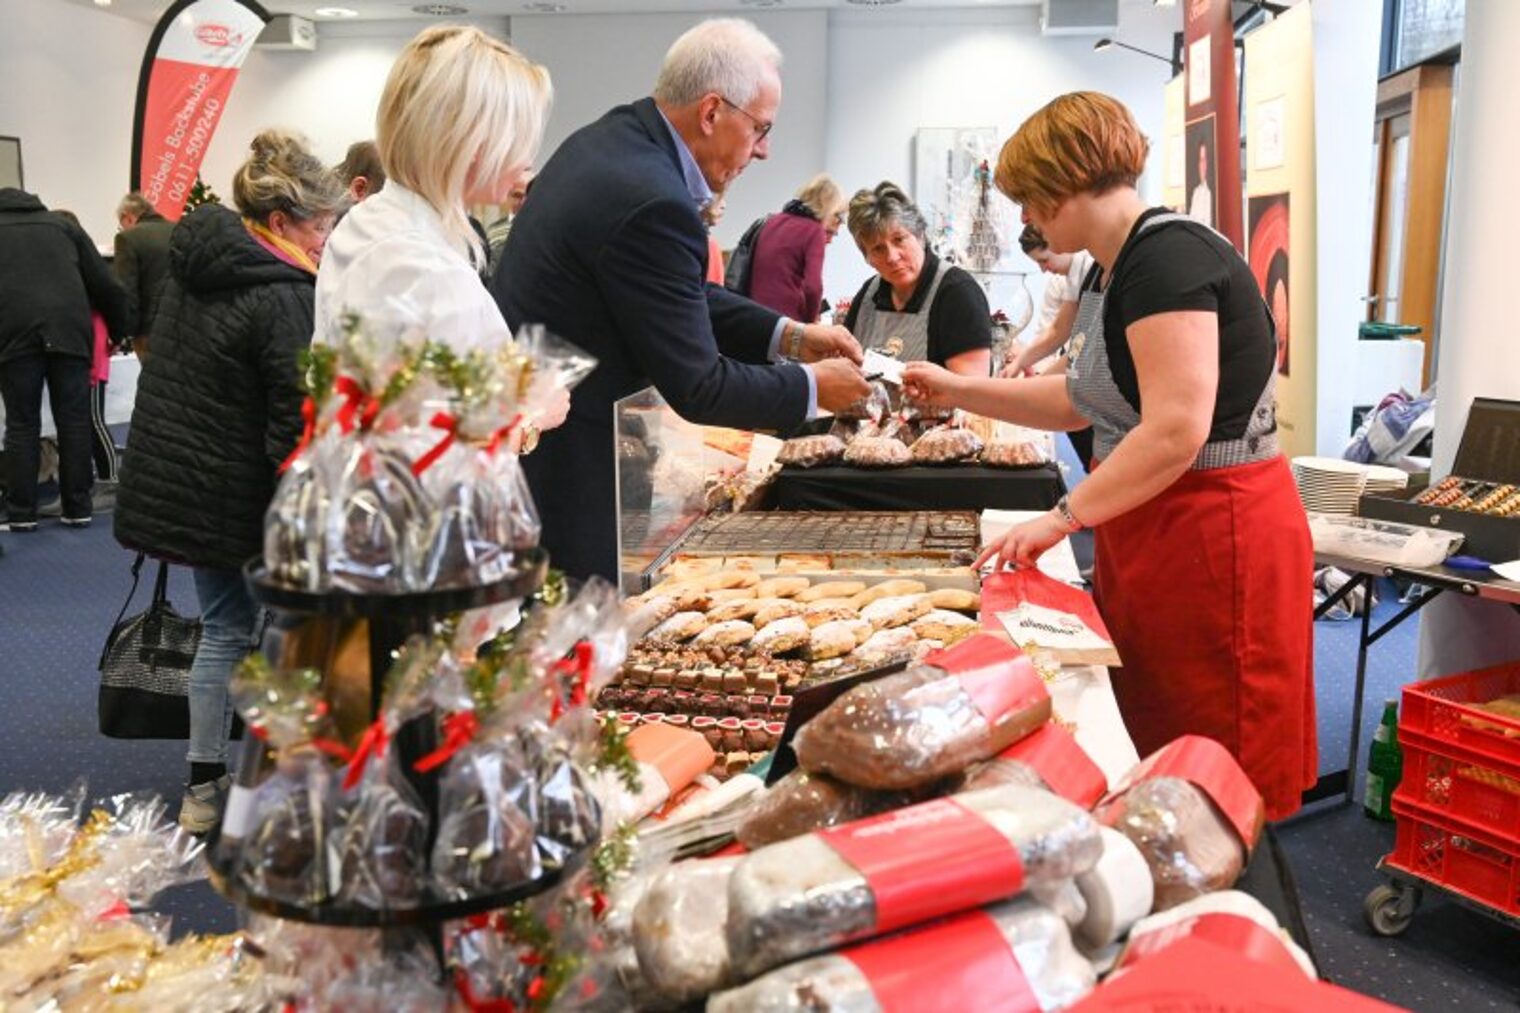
(761,128)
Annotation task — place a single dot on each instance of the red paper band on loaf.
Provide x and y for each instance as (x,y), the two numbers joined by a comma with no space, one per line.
(928,860)
(936,968)
(1210,767)
(997,676)
(1053,754)
(1235,933)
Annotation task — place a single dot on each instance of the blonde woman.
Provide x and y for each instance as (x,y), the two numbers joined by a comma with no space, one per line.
(219,407)
(787,274)
(459,123)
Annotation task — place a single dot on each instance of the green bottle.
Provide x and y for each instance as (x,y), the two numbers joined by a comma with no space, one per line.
(1385,765)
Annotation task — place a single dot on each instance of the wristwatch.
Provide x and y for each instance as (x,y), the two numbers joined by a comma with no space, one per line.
(793,340)
(1063,511)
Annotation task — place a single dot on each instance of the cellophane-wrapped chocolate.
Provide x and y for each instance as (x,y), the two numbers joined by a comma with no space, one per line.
(295,525)
(281,853)
(801,802)
(380,515)
(867,878)
(907,730)
(487,823)
(312,967)
(379,837)
(678,929)
(1023,950)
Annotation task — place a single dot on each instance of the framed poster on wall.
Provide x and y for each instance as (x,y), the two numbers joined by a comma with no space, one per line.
(10,163)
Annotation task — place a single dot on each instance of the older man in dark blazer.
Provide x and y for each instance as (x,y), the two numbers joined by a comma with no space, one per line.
(141,261)
(609,251)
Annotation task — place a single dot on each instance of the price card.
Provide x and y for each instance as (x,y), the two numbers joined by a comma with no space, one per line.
(884,366)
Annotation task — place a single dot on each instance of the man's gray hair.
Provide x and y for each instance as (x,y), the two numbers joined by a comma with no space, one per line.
(728,56)
(875,211)
(134,204)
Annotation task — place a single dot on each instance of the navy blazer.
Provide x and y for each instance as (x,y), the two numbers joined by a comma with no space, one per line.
(609,252)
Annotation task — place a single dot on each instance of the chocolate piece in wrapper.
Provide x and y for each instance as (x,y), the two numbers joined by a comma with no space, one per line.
(382,846)
(283,858)
(569,819)
(381,516)
(486,839)
(295,525)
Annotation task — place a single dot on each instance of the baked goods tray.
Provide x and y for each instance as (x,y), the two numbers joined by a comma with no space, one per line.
(918,532)
(429,912)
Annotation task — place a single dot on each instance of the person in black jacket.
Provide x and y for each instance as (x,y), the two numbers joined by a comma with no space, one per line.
(141,261)
(622,275)
(219,407)
(51,276)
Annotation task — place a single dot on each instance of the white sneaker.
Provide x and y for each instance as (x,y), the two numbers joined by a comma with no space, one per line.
(201,808)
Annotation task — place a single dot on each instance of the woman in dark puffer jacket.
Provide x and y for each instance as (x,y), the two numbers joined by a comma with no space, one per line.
(219,407)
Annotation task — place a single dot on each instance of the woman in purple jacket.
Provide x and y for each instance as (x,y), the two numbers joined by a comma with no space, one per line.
(787,275)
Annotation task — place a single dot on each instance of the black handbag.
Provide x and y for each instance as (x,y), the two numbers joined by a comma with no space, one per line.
(145,667)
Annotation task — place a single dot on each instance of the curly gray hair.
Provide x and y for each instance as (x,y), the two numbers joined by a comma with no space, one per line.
(728,56)
(875,211)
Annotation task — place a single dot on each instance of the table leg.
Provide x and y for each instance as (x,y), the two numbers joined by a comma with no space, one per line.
(1360,690)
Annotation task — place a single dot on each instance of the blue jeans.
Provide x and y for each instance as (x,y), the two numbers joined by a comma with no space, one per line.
(228,618)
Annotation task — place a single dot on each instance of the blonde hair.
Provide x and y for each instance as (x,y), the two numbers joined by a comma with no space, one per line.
(281,174)
(822,195)
(726,56)
(1082,142)
(875,211)
(459,107)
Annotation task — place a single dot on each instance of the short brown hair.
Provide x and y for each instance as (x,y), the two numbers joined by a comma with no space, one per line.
(1082,142)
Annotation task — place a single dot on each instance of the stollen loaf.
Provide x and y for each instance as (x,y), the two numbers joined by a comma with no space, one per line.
(800,803)
(1012,957)
(876,875)
(961,705)
(678,929)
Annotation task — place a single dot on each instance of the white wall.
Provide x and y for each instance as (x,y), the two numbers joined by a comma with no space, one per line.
(891,73)
(602,60)
(68,87)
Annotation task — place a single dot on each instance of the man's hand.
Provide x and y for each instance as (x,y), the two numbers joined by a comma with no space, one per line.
(829,341)
(840,383)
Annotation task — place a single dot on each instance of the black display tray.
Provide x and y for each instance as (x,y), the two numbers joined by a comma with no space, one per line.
(348,605)
(433,912)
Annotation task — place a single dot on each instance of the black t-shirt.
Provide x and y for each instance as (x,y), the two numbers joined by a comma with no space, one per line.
(1180,266)
(959,319)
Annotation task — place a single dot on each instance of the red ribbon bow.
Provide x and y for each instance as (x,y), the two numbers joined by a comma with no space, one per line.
(458,729)
(474,1002)
(577,669)
(309,417)
(450,426)
(356,401)
(502,434)
(372,744)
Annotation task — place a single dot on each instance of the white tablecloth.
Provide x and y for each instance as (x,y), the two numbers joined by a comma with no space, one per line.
(121,392)
(1082,695)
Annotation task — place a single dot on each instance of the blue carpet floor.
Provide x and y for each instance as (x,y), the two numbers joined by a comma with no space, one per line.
(60,589)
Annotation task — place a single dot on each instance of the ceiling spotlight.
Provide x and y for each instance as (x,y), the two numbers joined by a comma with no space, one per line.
(102,3)
(440,10)
(335,12)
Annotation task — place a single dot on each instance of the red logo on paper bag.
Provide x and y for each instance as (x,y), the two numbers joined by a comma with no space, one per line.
(212,34)
(928,860)
(934,968)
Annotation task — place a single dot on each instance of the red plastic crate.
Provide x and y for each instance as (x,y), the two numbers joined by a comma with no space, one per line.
(1442,709)
(1462,783)
(1481,866)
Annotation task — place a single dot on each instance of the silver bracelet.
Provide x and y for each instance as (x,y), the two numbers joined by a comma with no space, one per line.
(1063,510)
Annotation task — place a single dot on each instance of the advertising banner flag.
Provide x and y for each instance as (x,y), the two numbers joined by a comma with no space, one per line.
(192,60)
(1211,155)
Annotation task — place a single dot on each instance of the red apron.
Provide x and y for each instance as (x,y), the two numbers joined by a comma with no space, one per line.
(1207,590)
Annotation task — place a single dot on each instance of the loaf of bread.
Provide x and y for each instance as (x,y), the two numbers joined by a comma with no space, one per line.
(826,610)
(897,610)
(783,635)
(803,896)
(772,609)
(877,452)
(781,587)
(1189,845)
(811,451)
(955,599)
(945,444)
(1028,942)
(735,608)
(833,639)
(800,803)
(930,721)
(1013,454)
(678,929)
(888,589)
(681,626)
(830,589)
(945,626)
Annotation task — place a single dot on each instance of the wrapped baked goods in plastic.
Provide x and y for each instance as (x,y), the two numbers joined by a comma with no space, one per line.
(1015,955)
(886,872)
(36,828)
(877,452)
(678,929)
(295,524)
(811,451)
(488,810)
(1118,892)
(800,803)
(362,970)
(1193,814)
(669,760)
(280,838)
(1047,758)
(1008,453)
(945,444)
(1233,920)
(963,704)
(140,852)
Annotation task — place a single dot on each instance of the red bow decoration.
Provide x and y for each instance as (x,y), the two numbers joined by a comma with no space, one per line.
(336,750)
(450,426)
(458,729)
(372,744)
(356,401)
(309,417)
(577,670)
(472,1002)
(502,434)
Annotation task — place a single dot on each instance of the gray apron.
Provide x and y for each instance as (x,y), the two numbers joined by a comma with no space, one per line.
(904,336)
(1093,391)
